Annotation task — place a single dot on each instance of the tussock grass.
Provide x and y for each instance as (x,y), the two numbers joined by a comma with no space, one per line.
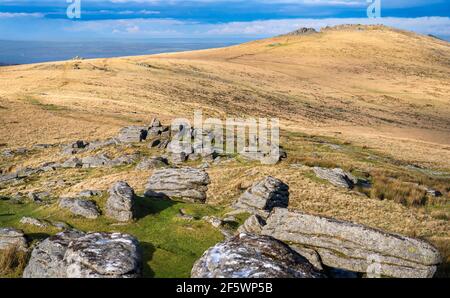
(12,261)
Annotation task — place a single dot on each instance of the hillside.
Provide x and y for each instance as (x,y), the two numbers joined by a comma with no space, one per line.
(371,100)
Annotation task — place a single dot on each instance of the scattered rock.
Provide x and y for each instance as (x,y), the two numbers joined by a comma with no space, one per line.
(133,134)
(263,196)
(301,31)
(72,162)
(183,215)
(354,247)
(187,184)
(73,254)
(75,147)
(10,237)
(39,197)
(177,158)
(120,204)
(152,163)
(35,222)
(97,161)
(90,193)
(84,208)
(337,177)
(252,256)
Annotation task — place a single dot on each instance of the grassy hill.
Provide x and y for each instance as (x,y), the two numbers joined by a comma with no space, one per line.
(369,99)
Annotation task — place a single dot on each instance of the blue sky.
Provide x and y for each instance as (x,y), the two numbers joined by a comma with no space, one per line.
(207,19)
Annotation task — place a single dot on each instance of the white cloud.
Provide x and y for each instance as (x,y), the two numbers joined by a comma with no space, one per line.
(20,15)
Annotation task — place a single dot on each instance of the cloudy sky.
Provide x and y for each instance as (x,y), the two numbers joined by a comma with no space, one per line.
(209,19)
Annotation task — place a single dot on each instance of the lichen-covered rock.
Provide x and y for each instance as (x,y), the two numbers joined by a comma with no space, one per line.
(354,247)
(10,237)
(121,201)
(84,208)
(187,184)
(263,196)
(100,255)
(337,177)
(47,258)
(73,254)
(252,256)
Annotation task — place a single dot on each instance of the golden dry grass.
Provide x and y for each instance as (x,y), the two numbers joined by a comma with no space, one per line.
(381,94)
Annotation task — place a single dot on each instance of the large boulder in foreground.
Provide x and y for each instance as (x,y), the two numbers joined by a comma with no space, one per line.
(252,256)
(354,247)
(263,196)
(47,258)
(73,254)
(121,202)
(10,238)
(187,184)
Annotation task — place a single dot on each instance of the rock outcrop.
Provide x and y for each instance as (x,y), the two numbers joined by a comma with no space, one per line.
(132,134)
(187,184)
(354,247)
(252,256)
(73,254)
(263,196)
(84,208)
(10,237)
(253,225)
(152,163)
(337,177)
(121,202)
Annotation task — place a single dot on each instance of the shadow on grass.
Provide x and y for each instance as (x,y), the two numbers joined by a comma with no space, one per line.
(147,255)
(148,206)
(37,236)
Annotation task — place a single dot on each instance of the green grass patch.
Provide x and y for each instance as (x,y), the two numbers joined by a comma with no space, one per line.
(170,244)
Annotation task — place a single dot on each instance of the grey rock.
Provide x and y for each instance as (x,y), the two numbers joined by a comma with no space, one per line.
(35,222)
(84,208)
(75,147)
(90,193)
(152,163)
(124,160)
(73,254)
(155,122)
(177,158)
(133,134)
(49,166)
(337,177)
(253,225)
(101,144)
(252,256)
(354,247)
(121,202)
(72,162)
(10,237)
(100,255)
(97,161)
(263,196)
(39,197)
(187,184)
(47,258)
